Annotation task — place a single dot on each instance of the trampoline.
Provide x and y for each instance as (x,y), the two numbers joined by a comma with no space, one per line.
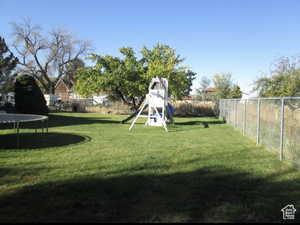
(17,119)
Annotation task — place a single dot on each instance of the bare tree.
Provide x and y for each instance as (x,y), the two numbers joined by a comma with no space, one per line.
(46,57)
(204,84)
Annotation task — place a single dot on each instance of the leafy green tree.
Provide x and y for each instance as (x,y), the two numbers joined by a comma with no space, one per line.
(236,92)
(127,78)
(8,63)
(28,96)
(284,79)
(223,84)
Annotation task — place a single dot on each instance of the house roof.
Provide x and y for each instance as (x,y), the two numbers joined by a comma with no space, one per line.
(68,84)
(211,90)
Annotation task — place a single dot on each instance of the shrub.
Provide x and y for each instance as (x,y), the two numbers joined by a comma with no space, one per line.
(29,98)
(194,109)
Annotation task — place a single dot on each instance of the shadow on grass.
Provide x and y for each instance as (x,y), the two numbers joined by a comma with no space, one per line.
(191,125)
(205,195)
(39,140)
(25,175)
(59,120)
(205,124)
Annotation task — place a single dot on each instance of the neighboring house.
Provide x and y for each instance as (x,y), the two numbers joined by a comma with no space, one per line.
(210,94)
(187,99)
(63,89)
(210,90)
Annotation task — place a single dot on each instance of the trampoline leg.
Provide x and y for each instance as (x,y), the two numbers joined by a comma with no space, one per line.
(42,127)
(18,135)
(47,126)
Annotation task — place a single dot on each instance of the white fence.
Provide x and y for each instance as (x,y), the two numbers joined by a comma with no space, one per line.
(272,122)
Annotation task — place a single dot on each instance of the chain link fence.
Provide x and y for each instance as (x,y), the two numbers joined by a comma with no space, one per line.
(272,122)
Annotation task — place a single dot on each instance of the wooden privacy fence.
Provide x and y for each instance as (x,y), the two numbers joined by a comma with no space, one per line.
(192,108)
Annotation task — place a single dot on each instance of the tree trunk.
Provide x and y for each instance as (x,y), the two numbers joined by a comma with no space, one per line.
(52,89)
(49,89)
(141,102)
(133,103)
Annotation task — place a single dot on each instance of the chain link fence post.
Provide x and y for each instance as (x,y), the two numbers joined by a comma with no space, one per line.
(258,122)
(220,108)
(281,128)
(273,122)
(244,122)
(235,113)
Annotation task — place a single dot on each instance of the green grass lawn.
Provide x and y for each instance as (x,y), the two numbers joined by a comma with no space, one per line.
(89,167)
